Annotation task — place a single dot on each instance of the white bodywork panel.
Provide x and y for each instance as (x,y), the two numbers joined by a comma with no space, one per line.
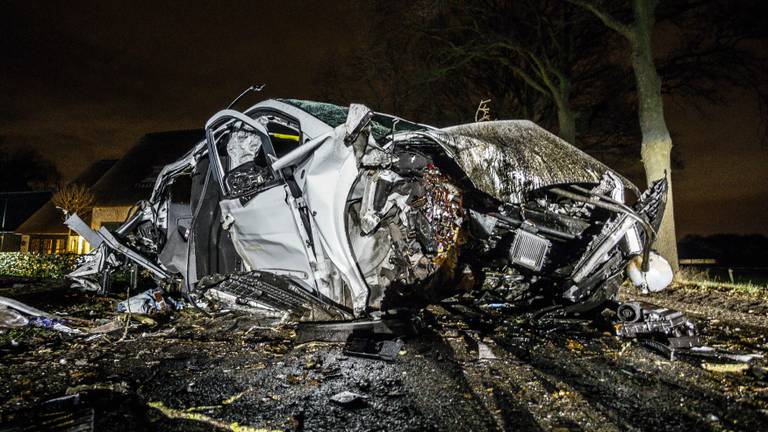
(265,235)
(329,176)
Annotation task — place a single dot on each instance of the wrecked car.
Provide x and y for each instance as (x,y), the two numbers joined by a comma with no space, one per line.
(327,212)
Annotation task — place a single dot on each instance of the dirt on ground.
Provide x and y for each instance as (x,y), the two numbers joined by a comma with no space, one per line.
(463,370)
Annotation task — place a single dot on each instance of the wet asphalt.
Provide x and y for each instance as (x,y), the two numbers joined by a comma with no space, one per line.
(189,372)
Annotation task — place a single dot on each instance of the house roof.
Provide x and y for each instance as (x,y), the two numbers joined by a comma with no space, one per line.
(16,207)
(120,183)
(48,219)
(131,179)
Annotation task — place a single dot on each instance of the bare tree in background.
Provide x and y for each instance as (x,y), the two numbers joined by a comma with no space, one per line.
(543,46)
(656,146)
(704,67)
(73,198)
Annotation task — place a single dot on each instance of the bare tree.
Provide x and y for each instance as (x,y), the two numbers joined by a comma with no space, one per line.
(73,198)
(713,57)
(542,46)
(656,147)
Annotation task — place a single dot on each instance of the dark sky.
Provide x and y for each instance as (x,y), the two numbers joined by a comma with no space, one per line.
(82,81)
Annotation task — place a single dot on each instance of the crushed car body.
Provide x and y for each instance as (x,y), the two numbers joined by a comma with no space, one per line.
(325,212)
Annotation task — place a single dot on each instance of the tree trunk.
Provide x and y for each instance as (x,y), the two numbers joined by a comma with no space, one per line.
(656,147)
(566,122)
(566,119)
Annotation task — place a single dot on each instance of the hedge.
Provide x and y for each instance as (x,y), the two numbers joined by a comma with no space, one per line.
(31,264)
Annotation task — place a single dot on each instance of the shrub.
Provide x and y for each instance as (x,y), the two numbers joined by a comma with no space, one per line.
(30,264)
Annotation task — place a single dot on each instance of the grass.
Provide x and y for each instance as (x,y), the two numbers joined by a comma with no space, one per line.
(701,278)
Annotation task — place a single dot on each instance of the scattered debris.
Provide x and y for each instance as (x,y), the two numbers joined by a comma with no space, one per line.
(53,324)
(347,398)
(108,327)
(9,318)
(484,352)
(666,331)
(250,370)
(152,301)
(371,348)
(725,367)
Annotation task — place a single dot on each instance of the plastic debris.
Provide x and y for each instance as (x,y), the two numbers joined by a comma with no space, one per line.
(347,398)
(9,318)
(21,307)
(53,324)
(484,352)
(151,301)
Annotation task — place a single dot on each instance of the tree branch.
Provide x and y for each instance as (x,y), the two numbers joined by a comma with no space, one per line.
(609,21)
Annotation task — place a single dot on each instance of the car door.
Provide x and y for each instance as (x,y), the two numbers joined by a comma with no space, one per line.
(265,223)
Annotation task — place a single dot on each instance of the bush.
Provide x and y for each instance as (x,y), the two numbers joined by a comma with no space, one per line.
(30,264)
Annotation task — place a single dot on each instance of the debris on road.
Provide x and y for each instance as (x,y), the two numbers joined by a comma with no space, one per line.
(347,398)
(725,367)
(193,371)
(371,348)
(149,302)
(9,318)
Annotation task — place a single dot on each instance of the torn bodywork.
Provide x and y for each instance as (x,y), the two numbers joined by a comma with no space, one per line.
(327,213)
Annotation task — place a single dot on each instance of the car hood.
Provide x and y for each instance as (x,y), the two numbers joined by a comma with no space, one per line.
(507,159)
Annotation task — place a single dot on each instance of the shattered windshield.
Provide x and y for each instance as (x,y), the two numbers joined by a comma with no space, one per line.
(335,115)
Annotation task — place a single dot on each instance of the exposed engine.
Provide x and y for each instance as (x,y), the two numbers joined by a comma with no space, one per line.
(330,213)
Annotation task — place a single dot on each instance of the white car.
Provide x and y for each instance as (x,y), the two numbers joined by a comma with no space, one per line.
(329,212)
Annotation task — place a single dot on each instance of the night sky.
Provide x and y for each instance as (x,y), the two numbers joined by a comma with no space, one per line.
(82,81)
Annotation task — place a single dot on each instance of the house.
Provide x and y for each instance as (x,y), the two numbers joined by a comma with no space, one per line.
(116,192)
(44,230)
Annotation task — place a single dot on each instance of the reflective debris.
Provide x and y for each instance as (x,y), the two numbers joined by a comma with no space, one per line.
(14,313)
(149,302)
(9,318)
(346,398)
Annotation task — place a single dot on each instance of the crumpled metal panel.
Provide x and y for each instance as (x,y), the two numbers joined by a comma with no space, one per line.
(507,159)
(264,233)
(330,174)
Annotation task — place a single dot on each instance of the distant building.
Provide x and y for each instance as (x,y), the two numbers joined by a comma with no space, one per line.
(116,190)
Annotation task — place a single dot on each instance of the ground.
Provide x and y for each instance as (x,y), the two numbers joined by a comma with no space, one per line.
(189,372)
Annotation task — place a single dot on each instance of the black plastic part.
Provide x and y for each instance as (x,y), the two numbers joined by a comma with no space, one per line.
(381,194)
